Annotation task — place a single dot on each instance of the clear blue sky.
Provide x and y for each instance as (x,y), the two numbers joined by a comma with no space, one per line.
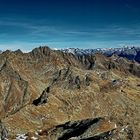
(26,24)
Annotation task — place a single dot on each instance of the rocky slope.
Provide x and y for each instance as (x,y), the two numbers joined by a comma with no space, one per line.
(48,94)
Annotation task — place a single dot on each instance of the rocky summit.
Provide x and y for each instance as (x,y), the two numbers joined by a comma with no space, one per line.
(55,95)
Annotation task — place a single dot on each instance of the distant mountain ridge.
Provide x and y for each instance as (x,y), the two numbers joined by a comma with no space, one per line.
(131,53)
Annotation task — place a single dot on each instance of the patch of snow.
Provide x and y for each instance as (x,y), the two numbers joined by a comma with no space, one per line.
(36,133)
(21,137)
(115,126)
(122,130)
(34,138)
(40,130)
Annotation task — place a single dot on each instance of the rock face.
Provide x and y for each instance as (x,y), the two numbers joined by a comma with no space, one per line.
(43,97)
(14,89)
(3,132)
(83,129)
(47,94)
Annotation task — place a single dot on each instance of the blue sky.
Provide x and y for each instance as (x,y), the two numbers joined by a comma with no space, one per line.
(25,24)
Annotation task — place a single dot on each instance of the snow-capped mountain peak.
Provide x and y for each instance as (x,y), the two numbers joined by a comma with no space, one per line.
(130,52)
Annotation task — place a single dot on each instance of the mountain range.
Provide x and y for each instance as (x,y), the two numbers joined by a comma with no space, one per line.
(131,53)
(69,94)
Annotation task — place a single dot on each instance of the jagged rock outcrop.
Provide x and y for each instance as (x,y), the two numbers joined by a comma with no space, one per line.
(3,132)
(69,79)
(81,130)
(87,80)
(18,51)
(87,61)
(43,97)
(40,52)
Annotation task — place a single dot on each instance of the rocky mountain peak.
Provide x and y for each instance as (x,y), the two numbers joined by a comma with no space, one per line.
(18,51)
(41,51)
